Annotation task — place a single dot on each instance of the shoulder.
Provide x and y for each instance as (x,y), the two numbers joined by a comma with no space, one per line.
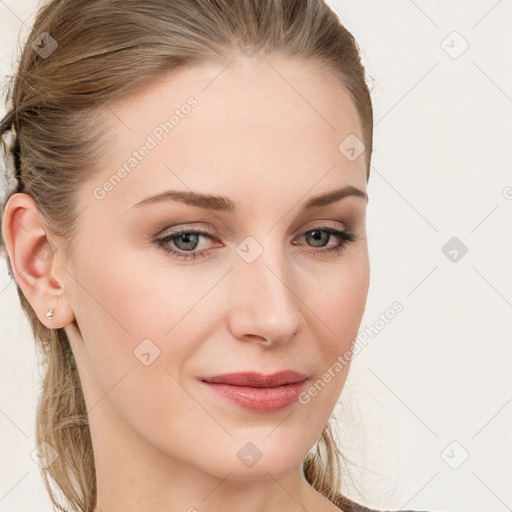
(345,504)
(361,508)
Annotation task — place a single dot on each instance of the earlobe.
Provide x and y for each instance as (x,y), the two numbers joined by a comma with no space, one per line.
(34,261)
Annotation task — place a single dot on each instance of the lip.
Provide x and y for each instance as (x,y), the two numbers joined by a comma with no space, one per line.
(257,380)
(258,392)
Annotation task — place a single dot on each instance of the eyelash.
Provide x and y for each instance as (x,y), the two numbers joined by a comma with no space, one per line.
(344,236)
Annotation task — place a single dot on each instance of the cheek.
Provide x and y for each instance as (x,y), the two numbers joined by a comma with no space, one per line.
(335,310)
(139,329)
(337,300)
(131,299)
(116,309)
(131,368)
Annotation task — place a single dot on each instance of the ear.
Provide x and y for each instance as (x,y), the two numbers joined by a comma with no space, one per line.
(34,261)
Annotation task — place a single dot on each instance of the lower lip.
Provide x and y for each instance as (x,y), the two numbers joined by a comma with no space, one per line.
(260,399)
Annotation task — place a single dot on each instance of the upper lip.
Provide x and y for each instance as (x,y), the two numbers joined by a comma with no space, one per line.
(258,380)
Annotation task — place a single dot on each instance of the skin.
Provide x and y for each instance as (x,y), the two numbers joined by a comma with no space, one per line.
(162,440)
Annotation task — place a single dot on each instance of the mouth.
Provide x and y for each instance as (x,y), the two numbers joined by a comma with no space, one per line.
(258,392)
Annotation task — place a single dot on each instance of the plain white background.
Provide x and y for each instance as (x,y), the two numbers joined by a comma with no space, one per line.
(426,413)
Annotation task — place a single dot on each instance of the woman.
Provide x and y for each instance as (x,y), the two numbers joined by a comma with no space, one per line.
(186,224)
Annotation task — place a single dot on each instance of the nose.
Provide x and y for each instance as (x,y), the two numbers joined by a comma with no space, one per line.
(265,300)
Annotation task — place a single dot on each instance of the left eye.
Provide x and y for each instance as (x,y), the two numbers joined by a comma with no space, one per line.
(186,241)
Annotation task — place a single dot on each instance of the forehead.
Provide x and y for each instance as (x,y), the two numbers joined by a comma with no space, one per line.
(254,124)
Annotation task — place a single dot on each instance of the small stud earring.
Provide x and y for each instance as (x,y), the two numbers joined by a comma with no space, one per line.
(49,314)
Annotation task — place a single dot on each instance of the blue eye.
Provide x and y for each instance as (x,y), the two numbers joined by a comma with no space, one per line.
(344,238)
(186,241)
(186,238)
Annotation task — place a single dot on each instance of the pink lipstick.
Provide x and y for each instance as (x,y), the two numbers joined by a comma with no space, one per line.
(259,392)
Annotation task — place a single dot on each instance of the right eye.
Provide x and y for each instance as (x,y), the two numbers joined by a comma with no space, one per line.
(188,239)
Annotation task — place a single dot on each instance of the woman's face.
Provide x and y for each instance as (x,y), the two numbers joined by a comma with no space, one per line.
(254,283)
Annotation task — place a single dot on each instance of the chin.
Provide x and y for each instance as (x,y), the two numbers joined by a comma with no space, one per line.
(271,462)
(260,471)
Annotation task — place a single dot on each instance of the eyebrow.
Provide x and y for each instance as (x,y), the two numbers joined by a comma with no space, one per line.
(223,204)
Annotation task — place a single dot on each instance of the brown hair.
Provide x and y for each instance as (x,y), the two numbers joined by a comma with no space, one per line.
(105,50)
